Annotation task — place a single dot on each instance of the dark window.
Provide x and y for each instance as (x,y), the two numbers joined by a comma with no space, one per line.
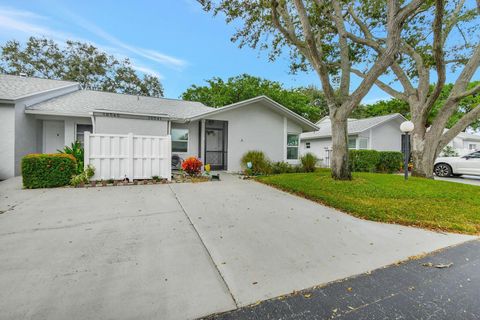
(179,140)
(81,129)
(307,145)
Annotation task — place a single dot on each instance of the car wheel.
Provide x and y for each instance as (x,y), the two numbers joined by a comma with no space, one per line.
(443,170)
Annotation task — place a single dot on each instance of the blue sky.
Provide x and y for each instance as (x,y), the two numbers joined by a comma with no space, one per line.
(173,39)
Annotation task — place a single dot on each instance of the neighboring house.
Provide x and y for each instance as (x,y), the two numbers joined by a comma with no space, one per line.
(378,133)
(42,116)
(465,143)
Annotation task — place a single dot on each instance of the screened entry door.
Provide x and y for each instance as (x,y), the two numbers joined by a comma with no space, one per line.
(216,146)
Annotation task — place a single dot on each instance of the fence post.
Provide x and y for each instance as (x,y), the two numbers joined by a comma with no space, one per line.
(168,160)
(130,157)
(86,149)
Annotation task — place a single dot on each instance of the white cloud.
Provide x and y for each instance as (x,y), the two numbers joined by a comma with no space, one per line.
(149,54)
(32,24)
(147,70)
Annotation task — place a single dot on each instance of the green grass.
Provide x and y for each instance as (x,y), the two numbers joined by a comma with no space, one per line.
(438,205)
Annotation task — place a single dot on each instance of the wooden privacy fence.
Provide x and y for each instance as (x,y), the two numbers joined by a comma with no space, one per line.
(116,156)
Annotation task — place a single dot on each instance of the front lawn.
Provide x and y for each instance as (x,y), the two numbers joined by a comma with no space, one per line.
(421,202)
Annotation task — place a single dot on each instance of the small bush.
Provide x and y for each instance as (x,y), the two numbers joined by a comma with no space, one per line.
(282,167)
(363,160)
(259,163)
(78,152)
(389,161)
(309,162)
(83,177)
(192,166)
(47,170)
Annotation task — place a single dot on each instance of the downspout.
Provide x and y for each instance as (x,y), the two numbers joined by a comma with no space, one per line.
(92,116)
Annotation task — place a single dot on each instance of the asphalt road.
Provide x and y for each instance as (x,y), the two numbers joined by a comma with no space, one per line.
(417,289)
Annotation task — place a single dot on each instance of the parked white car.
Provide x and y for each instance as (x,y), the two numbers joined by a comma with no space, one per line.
(456,166)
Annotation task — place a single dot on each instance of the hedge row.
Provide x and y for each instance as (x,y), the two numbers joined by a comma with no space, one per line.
(375,161)
(48,170)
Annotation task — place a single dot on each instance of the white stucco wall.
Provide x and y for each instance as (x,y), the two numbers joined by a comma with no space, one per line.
(25,135)
(193,138)
(7,141)
(127,125)
(317,147)
(386,137)
(255,127)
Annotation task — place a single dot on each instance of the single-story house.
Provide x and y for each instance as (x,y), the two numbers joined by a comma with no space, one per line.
(465,143)
(380,133)
(377,133)
(42,116)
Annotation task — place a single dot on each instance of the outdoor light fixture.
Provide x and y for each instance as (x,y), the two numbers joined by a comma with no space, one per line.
(406,127)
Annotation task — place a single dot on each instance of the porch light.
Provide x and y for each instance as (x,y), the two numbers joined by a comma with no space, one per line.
(406,127)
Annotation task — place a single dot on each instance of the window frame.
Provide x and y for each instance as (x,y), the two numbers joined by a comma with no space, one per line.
(294,147)
(82,142)
(358,143)
(187,140)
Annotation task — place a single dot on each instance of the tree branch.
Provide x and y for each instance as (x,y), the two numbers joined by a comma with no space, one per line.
(385,87)
(438,55)
(344,49)
(315,52)
(461,125)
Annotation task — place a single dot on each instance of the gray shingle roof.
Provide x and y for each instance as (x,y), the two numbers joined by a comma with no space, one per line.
(16,87)
(469,136)
(82,102)
(355,126)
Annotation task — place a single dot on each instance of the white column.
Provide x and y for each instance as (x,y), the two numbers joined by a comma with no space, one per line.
(285,138)
(202,142)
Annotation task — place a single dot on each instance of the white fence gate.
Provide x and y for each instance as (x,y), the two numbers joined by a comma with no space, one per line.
(117,156)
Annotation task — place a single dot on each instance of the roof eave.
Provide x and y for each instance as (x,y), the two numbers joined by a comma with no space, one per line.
(37,93)
(306,124)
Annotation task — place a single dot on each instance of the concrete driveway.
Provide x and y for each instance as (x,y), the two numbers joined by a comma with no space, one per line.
(179,251)
(473,180)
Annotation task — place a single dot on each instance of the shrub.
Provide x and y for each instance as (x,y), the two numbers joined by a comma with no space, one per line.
(47,170)
(389,161)
(78,152)
(449,151)
(83,177)
(192,166)
(309,162)
(259,163)
(282,167)
(363,160)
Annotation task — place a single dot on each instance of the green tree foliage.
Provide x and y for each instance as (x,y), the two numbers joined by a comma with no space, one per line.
(385,107)
(76,61)
(308,102)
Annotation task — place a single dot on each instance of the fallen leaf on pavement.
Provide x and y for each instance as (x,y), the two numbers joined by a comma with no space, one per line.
(439,265)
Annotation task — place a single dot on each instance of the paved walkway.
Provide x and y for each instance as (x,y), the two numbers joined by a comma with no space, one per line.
(179,251)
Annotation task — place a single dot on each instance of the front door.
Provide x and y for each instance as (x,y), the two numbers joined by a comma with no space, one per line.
(216,144)
(53,136)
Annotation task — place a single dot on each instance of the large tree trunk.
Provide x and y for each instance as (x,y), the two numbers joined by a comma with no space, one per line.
(339,161)
(424,153)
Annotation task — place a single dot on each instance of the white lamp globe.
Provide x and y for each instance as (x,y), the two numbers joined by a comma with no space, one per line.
(407,126)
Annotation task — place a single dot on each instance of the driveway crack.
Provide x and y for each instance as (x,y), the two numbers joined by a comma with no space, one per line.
(204,246)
